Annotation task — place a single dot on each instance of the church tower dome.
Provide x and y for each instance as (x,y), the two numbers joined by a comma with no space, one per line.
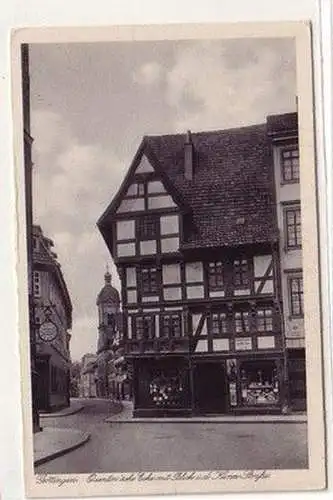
(108,294)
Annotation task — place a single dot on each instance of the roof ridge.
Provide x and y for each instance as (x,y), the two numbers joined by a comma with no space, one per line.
(213,131)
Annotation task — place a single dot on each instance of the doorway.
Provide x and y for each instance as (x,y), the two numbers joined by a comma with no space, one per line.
(210,387)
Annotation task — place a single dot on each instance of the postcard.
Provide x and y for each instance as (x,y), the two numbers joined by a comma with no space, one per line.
(168,263)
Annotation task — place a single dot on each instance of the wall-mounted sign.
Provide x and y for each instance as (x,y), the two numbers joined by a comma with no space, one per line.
(243,344)
(48,331)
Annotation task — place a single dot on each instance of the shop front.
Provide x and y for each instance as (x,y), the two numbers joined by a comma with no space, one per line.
(175,386)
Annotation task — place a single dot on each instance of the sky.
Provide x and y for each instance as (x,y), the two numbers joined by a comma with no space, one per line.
(91,104)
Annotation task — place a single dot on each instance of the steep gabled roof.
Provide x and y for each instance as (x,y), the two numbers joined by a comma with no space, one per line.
(231,195)
(230,199)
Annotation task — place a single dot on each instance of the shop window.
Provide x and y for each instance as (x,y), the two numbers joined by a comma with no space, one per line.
(296,296)
(293,227)
(147,228)
(171,325)
(290,165)
(241,273)
(215,275)
(242,322)
(259,383)
(264,320)
(144,327)
(149,280)
(219,324)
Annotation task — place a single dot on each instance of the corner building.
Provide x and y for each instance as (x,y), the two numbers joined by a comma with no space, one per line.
(53,318)
(194,235)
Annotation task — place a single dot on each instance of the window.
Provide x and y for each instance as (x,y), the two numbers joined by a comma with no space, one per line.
(147,228)
(242,323)
(171,325)
(241,273)
(293,227)
(290,165)
(110,320)
(264,320)
(215,275)
(37,284)
(259,383)
(144,327)
(149,280)
(296,296)
(219,324)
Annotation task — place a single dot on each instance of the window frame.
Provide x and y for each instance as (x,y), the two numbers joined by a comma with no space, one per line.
(243,283)
(299,293)
(221,319)
(170,326)
(215,276)
(144,318)
(37,284)
(289,149)
(152,289)
(245,318)
(268,320)
(141,230)
(296,209)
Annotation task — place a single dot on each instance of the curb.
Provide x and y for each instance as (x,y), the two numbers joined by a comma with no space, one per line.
(56,454)
(58,414)
(202,421)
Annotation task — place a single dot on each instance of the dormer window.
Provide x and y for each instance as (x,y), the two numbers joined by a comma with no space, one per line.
(290,165)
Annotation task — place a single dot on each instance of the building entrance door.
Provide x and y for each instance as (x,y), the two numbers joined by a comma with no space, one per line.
(210,387)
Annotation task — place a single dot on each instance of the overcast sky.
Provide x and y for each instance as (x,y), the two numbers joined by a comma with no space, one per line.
(91,104)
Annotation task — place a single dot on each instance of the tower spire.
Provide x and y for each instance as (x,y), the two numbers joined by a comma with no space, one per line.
(107,275)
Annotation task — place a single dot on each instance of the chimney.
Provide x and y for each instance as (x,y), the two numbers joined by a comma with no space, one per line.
(189,154)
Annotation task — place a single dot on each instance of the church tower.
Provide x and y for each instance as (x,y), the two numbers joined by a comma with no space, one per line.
(108,303)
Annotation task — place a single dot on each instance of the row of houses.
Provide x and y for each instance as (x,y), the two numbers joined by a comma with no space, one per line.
(205,232)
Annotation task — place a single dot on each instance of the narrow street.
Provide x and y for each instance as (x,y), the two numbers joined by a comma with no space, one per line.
(128,447)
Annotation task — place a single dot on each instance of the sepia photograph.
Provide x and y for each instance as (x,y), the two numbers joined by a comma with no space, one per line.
(170,331)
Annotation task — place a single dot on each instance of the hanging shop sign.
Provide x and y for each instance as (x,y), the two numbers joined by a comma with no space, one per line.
(48,331)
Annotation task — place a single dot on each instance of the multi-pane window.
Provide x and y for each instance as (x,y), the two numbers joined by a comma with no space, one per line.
(264,320)
(293,227)
(219,324)
(147,227)
(241,272)
(37,284)
(144,327)
(242,322)
(290,165)
(296,296)
(171,325)
(215,275)
(149,280)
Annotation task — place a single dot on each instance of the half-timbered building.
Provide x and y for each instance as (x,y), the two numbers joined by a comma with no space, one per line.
(193,232)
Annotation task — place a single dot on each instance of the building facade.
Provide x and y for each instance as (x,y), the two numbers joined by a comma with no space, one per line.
(53,320)
(88,376)
(283,136)
(194,233)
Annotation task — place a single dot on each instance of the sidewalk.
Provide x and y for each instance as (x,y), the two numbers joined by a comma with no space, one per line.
(126,417)
(52,443)
(75,407)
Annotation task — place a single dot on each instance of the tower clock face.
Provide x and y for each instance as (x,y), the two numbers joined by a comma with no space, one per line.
(48,331)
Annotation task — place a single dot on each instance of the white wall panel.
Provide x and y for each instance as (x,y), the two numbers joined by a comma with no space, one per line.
(172,293)
(132,296)
(144,166)
(266,342)
(156,187)
(169,224)
(125,229)
(148,247)
(160,202)
(261,263)
(195,292)
(125,249)
(169,245)
(221,345)
(131,205)
(130,276)
(194,272)
(171,274)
